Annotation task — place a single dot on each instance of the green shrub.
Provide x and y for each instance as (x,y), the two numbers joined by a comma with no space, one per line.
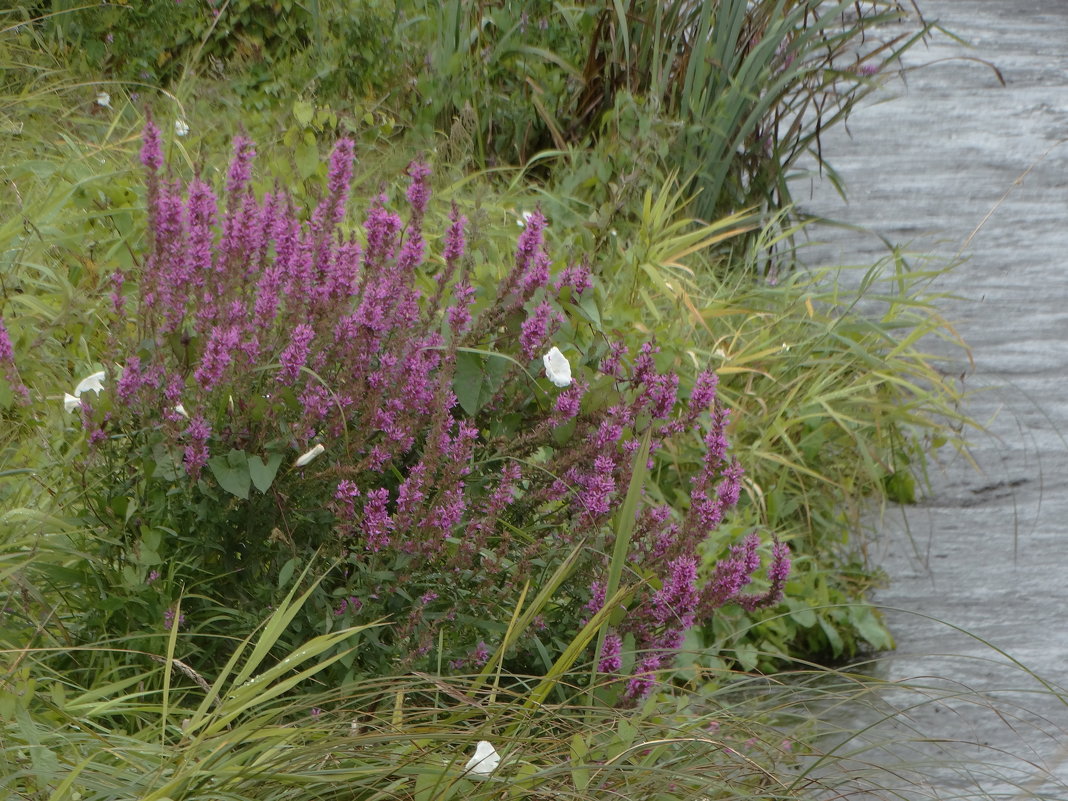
(270,48)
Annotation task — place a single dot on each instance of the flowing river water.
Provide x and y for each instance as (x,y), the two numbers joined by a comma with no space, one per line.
(946,160)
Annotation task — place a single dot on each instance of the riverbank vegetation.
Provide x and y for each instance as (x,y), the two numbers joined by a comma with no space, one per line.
(383,384)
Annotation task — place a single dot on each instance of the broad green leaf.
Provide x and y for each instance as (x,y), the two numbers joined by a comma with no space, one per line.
(262,474)
(303,112)
(467,381)
(232,473)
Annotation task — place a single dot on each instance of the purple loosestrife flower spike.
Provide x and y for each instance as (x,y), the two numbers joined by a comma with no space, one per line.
(418,191)
(7,359)
(332,210)
(240,172)
(536,329)
(151,151)
(455,241)
(7,351)
(196,450)
(611,661)
(295,355)
(377,524)
(644,679)
(529,245)
(459,313)
(778,572)
(218,355)
(568,403)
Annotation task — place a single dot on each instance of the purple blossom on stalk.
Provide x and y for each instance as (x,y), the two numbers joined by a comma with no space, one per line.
(537,275)
(332,210)
(240,172)
(644,678)
(196,450)
(455,242)
(576,276)
(168,619)
(597,595)
(537,328)
(703,394)
(7,350)
(377,524)
(295,355)
(418,191)
(612,363)
(731,575)
(611,661)
(778,572)
(674,604)
(595,498)
(459,313)
(530,242)
(218,355)
(130,381)
(568,403)
(347,492)
(151,150)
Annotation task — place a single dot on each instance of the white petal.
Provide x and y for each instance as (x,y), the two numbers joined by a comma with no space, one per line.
(92,383)
(103,99)
(485,760)
(70,403)
(180,128)
(179,409)
(557,367)
(307,457)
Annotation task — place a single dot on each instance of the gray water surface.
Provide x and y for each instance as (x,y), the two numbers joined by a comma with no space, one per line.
(949,162)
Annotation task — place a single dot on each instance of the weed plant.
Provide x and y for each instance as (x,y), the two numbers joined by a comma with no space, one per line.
(276,391)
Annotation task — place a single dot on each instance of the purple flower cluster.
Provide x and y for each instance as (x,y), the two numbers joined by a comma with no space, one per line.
(7,362)
(263,328)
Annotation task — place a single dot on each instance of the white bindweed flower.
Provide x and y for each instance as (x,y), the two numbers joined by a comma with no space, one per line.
(103,99)
(524,218)
(485,760)
(309,455)
(180,128)
(557,367)
(92,383)
(179,409)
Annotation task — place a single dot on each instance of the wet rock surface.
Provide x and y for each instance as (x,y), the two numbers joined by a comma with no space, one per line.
(949,162)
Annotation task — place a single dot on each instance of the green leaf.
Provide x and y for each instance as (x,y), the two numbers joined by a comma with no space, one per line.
(306,156)
(873,632)
(303,112)
(467,381)
(232,473)
(286,573)
(801,614)
(262,474)
(747,656)
(834,639)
